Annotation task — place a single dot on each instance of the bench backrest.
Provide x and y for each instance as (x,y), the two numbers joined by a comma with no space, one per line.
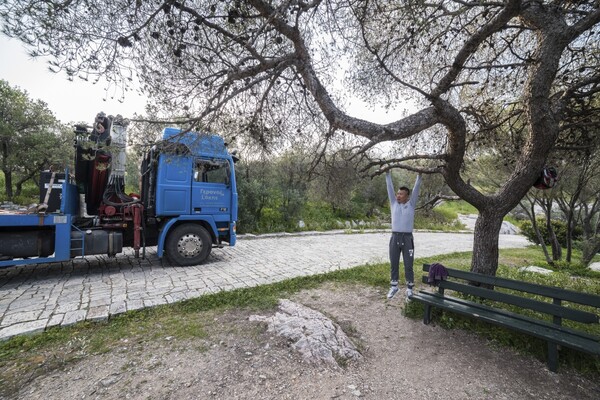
(466,282)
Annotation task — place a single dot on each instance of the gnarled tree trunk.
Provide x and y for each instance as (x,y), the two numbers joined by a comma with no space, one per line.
(485,243)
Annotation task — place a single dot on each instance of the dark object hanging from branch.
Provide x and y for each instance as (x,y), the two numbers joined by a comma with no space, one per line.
(548,178)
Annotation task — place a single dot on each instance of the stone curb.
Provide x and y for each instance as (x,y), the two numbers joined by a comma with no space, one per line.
(251,236)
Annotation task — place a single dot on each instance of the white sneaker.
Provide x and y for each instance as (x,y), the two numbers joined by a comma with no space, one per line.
(392,292)
(409,293)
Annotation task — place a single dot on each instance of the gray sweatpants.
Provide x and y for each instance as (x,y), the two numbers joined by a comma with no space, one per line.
(401,242)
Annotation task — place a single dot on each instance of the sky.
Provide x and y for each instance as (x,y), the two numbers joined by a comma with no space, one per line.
(69,101)
(80,101)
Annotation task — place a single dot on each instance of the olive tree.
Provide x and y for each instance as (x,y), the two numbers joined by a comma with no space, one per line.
(271,69)
(31,139)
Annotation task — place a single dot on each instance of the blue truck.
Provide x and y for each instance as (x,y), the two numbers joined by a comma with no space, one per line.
(187,203)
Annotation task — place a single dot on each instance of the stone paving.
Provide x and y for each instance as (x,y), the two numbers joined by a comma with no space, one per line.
(36,297)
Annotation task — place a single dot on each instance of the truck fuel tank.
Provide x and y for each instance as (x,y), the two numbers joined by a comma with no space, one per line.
(90,242)
(27,243)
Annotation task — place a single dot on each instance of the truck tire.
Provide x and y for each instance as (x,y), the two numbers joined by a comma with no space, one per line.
(188,244)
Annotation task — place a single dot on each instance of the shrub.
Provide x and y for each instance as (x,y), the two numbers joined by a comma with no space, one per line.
(439,220)
(560,229)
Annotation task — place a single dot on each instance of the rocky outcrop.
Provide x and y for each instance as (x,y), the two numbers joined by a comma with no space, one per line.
(316,337)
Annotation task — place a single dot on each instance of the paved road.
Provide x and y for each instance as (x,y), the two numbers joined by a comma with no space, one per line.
(33,298)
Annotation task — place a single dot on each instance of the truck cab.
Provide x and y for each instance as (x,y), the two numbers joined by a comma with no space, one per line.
(190,195)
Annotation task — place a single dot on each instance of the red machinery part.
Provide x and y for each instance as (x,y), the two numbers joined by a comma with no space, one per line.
(109,211)
(137,227)
(98,179)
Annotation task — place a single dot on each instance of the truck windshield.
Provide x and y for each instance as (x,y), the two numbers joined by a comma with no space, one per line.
(211,170)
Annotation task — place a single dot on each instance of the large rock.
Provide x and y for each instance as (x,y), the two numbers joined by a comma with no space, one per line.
(508,229)
(595,266)
(537,270)
(315,336)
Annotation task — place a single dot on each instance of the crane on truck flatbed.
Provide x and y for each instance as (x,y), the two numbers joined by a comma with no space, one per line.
(186,205)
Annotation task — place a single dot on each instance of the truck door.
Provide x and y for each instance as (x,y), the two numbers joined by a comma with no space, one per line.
(211,188)
(173,185)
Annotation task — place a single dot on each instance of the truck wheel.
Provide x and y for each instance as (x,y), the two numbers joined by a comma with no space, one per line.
(188,244)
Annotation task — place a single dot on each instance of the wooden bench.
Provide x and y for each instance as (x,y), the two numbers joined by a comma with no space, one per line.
(546,324)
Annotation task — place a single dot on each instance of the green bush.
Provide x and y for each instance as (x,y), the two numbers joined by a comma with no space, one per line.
(271,220)
(30,193)
(560,229)
(438,220)
(318,216)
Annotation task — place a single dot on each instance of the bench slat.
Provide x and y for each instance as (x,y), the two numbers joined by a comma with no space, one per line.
(536,305)
(517,316)
(552,292)
(548,333)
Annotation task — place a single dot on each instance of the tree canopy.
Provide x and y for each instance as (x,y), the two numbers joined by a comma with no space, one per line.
(277,69)
(31,139)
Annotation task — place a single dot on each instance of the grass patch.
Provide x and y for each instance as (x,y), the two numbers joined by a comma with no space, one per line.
(453,208)
(438,219)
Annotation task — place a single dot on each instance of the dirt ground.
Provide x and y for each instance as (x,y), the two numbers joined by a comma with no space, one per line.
(239,359)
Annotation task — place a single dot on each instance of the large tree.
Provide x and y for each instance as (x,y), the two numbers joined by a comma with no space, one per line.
(270,67)
(31,139)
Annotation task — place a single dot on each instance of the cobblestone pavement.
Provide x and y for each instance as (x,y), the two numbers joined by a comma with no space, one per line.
(33,298)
